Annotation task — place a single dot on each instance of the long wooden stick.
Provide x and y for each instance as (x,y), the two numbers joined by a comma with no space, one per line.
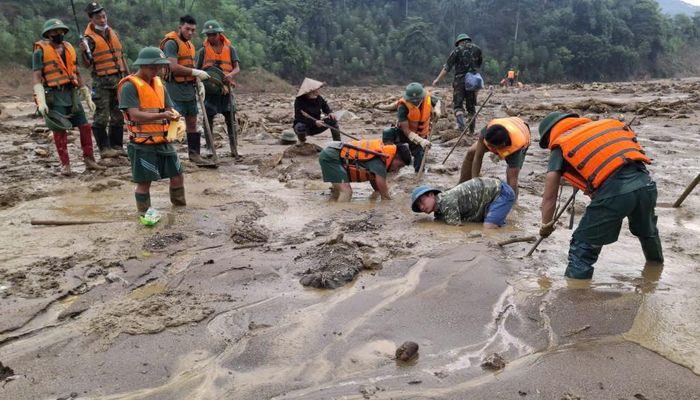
(466,127)
(687,191)
(516,240)
(63,223)
(421,170)
(556,218)
(304,113)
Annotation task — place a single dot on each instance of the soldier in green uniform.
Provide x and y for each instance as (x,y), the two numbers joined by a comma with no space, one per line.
(57,84)
(486,200)
(219,53)
(108,67)
(148,110)
(466,57)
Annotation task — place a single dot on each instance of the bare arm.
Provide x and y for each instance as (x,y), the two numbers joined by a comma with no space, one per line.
(441,75)
(36,77)
(178,69)
(549,198)
(512,179)
(381,186)
(479,151)
(236,70)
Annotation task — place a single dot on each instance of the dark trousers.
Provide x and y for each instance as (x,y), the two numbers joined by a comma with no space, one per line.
(395,135)
(461,99)
(303,130)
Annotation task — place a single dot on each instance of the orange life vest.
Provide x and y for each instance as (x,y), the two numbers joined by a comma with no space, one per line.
(151,99)
(352,157)
(54,71)
(518,132)
(220,60)
(107,58)
(594,150)
(185,55)
(419,116)
(511,74)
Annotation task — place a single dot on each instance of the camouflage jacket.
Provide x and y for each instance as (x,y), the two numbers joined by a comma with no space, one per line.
(464,58)
(467,201)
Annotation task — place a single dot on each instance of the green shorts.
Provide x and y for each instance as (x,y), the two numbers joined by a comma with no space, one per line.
(186,108)
(152,162)
(332,168)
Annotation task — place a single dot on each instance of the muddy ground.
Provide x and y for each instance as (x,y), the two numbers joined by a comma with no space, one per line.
(230,297)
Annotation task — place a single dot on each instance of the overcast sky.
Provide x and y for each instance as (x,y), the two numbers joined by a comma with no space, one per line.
(693,2)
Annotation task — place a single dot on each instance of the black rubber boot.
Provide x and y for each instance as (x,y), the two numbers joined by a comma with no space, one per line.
(116,139)
(102,141)
(652,249)
(232,139)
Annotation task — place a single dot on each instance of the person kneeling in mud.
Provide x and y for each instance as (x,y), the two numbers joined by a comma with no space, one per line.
(487,200)
(310,102)
(361,161)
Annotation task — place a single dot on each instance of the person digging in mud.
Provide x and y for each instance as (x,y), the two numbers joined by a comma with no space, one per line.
(415,112)
(466,57)
(487,200)
(108,68)
(57,85)
(148,112)
(184,82)
(342,163)
(311,102)
(603,159)
(507,138)
(217,51)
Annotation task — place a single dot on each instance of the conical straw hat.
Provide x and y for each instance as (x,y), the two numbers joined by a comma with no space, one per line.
(309,85)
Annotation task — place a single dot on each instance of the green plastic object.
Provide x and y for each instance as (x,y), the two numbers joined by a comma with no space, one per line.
(151,217)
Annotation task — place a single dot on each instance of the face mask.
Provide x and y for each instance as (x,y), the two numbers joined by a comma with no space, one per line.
(57,39)
(101,27)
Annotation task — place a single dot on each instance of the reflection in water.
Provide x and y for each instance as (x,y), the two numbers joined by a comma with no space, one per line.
(578,283)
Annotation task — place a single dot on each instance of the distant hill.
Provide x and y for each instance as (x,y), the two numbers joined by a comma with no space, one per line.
(673,7)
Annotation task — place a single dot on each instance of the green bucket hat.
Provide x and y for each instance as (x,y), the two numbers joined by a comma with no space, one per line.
(460,37)
(288,137)
(57,121)
(53,23)
(414,93)
(151,56)
(548,123)
(215,84)
(212,26)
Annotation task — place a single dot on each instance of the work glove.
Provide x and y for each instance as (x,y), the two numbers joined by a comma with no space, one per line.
(425,143)
(176,131)
(200,89)
(415,139)
(85,95)
(201,75)
(437,110)
(40,96)
(547,229)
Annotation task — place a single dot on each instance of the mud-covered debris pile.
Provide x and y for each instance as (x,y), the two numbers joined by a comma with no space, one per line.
(493,362)
(5,372)
(302,150)
(365,223)
(36,280)
(160,241)
(245,229)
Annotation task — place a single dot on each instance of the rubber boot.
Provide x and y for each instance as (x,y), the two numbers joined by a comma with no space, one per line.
(193,147)
(116,140)
(472,124)
(143,201)
(582,256)
(335,191)
(334,133)
(465,173)
(177,196)
(652,249)
(459,116)
(418,158)
(86,145)
(102,141)
(60,139)
(231,132)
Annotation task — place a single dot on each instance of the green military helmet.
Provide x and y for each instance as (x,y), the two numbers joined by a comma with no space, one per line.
(212,26)
(288,137)
(414,93)
(53,23)
(92,8)
(151,56)
(462,36)
(57,121)
(548,123)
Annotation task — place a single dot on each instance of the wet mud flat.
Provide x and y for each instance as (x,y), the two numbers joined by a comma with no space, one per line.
(263,289)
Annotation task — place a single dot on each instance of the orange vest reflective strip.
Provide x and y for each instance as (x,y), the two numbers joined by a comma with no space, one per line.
(107,58)
(185,55)
(595,150)
(54,71)
(151,99)
(352,157)
(419,116)
(511,74)
(518,132)
(220,60)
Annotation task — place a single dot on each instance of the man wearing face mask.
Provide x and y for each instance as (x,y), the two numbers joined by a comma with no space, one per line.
(57,85)
(108,67)
(466,57)
(184,81)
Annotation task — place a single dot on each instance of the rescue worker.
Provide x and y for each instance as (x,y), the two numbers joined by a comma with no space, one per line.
(309,100)
(148,112)
(508,138)
(603,159)
(184,81)
(511,75)
(466,57)
(361,161)
(414,112)
(57,85)
(486,200)
(108,68)
(218,52)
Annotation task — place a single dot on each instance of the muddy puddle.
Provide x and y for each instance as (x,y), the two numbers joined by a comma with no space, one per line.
(261,288)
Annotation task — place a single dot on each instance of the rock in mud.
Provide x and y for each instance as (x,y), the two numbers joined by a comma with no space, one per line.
(303,149)
(367,391)
(160,241)
(407,351)
(5,372)
(493,362)
(330,265)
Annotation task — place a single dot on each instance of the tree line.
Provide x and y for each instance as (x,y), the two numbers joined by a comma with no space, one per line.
(396,41)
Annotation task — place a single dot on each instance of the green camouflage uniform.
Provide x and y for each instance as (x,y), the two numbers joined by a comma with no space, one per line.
(467,202)
(464,58)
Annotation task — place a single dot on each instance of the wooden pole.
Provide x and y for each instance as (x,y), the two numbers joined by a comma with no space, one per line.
(210,136)
(64,223)
(464,132)
(516,240)
(687,191)
(561,211)
(304,113)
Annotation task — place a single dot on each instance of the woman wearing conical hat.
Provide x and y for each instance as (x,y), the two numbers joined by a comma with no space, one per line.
(309,101)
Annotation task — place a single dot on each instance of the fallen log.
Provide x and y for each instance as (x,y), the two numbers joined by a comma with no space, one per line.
(52,222)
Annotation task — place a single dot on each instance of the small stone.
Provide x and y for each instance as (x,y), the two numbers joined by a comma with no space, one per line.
(474,234)
(407,351)
(41,152)
(493,362)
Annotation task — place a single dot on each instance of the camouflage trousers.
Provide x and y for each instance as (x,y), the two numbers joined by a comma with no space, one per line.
(107,111)
(461,98)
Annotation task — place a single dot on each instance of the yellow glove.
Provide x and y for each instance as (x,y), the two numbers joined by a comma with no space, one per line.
(85,95)
(40,96)
(176,131)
